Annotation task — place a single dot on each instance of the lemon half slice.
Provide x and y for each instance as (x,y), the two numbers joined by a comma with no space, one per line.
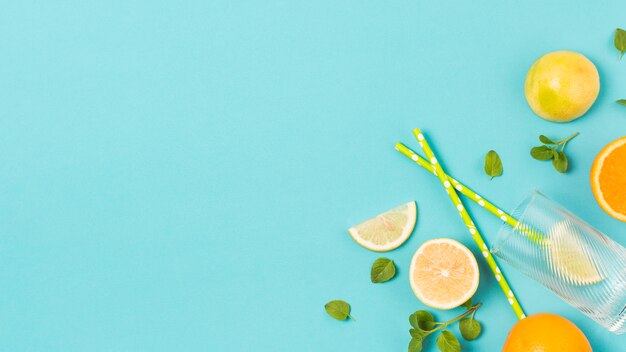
(388,230)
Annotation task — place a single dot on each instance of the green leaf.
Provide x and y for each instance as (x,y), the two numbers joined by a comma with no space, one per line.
(383,270)
(470,328)
(542,153)
(447,342)
(560,161)
(467,304)
(546,140)
(621,101)
(422,320)
(416,332)
(415,345)
(338,309)
(620,41)
(493,164)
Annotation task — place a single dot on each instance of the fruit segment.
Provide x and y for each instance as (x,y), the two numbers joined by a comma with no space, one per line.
(388,230)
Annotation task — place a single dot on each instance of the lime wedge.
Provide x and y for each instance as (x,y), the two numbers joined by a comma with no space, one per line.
(388,230)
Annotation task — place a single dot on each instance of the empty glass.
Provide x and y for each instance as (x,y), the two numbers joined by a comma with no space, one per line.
(577,262)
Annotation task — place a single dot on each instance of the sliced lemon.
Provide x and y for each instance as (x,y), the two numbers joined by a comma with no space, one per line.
(444,273)
(571,259)
(388,230)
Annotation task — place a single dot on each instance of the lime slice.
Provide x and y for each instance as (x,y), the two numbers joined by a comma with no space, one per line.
(571,259)
(388,230)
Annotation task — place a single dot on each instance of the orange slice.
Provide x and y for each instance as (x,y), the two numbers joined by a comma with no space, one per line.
(608,179)
(444,273)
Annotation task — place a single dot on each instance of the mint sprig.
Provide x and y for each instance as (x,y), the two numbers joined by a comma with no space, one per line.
(553,150)
(423,325)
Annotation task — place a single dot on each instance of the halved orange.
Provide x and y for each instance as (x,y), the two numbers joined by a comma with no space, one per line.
(608,179)
(444,273)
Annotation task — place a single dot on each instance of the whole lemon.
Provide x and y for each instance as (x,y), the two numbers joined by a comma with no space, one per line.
(545,332)
(561,86)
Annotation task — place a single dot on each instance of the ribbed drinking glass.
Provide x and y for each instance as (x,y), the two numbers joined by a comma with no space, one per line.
(575,261)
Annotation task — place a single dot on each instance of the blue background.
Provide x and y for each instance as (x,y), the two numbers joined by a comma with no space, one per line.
(179,176)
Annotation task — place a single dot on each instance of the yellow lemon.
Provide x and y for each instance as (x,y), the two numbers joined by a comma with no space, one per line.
(561,86)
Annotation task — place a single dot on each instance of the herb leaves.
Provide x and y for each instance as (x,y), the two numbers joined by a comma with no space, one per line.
(542,153)
(423,324)
(493,164)
(470,328)
(553,150)
(338,309)
(620,41)
(621,101)
(421,320)
(415,345)
(383,270)
(448,342)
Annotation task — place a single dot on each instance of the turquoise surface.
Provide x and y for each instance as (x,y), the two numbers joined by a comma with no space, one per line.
(179,176)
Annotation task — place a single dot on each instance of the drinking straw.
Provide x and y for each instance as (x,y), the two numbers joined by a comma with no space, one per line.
(504,216)
(531,233)
(438,169)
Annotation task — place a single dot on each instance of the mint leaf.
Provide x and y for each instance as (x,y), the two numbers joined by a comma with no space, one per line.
(383,270)
(546,140)
(621,101)
(416,333)
(560,162)
(338,309)
(470,328)
(620,41)
(415,345)
(422,320)
(542,153)
(447,342)
(493,164)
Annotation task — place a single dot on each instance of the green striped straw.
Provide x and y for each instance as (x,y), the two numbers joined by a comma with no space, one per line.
(532,234)
(438,170)
(406,151)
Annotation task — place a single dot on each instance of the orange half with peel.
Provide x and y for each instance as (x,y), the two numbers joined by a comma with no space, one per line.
(608,179)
